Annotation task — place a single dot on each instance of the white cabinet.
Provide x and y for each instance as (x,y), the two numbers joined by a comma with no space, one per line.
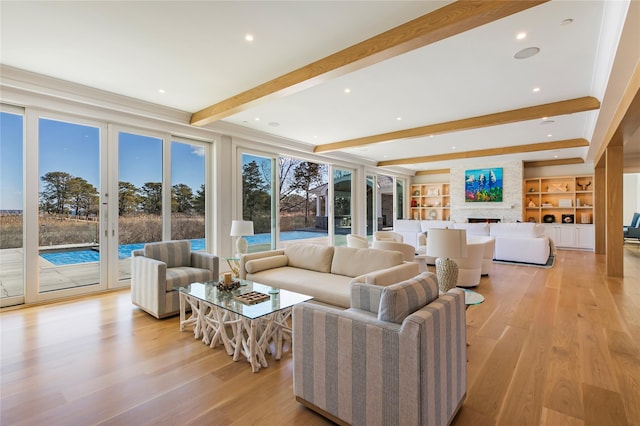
(571,236)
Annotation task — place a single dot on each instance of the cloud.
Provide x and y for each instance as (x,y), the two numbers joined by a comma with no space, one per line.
(197,150)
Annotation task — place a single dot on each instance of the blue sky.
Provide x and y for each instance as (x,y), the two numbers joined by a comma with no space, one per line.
(74,149)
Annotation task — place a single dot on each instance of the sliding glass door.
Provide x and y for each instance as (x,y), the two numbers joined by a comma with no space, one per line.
(69,214)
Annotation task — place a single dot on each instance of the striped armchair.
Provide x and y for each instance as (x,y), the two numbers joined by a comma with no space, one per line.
(160,267)
(396,357)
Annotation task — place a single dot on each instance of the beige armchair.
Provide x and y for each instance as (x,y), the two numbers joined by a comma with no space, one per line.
(407,250)
(160,267)
(357,241)
(387,236)
(397,356)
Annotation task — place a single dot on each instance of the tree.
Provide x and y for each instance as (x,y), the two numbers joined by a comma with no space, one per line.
(181,198)
(55,194)
(152,198)
(254,190)
(128,198)
(83,196)
(200,202)
(307,175)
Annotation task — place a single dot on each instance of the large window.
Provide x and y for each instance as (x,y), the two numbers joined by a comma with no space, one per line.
(342,205)
(188,195)
(304,212)
(139,195)
(11,207)
(69,204)
(258,200)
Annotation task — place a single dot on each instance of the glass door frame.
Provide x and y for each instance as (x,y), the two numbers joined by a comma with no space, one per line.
(31,212)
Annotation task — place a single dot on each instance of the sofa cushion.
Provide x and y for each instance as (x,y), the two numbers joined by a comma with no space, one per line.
(425,225)
(399,300)
(327,288)
(314,257)
(473,228)
(514,230)
(257,265)
(173,253)
(182,276)
(352,262)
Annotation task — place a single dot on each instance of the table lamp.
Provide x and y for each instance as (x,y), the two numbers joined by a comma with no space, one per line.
(240,229)
(445,244)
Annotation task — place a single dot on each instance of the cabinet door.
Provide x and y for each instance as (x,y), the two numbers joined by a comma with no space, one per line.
(585,237)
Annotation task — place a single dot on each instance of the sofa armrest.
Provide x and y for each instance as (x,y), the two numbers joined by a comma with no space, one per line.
(251,256)
(389,276)
(366,297)
(204,260)
(148,284)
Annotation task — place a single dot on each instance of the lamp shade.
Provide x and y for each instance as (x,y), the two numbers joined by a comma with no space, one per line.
(447,243)
(240,228)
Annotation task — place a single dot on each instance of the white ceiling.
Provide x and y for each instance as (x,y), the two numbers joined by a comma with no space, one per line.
(196,53)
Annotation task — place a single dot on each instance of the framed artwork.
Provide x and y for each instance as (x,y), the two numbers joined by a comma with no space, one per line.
(483,185)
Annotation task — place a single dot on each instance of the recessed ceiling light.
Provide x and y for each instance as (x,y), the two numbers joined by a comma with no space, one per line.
(544,118)
(549,135)
(536,89)
(521,36)
(347,90)
(555,156)
(527,52)
(257,119)
(566,21)
(453,147)
(431,136)
(399,118)
(162,91)
(248,37)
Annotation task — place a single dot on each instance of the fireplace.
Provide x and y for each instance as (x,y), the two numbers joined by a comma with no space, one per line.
(482,220)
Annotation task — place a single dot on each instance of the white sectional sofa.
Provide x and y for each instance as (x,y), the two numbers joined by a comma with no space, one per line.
(325,272)
(520,242)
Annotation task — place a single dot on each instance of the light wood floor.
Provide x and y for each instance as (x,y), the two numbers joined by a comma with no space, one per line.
(554,346)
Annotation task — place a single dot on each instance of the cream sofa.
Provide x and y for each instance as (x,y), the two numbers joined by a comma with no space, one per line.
(325,272)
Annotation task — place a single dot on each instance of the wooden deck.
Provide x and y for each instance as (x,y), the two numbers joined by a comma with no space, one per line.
(547,347)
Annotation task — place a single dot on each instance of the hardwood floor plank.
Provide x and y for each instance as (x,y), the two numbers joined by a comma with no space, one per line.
(556,346)
(603,407)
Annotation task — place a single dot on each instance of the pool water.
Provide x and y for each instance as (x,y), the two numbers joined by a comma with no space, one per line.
(124,251)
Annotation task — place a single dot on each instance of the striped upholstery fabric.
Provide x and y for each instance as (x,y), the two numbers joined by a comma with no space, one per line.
(153,281)
(399,300)
(363,371)
(173,253)
(366,297)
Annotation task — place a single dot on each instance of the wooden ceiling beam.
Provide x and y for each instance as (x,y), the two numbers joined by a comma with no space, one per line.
(558,162)
(442,23)
(433,172)
(517,149)
(553,109)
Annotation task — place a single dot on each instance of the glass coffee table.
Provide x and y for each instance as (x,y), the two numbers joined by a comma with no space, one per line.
(246,329)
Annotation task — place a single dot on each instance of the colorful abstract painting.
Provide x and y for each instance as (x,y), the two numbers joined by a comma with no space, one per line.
(483,185)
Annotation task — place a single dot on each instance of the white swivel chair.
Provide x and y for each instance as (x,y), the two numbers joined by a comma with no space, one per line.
(470,267)
(387,236)
(357,241)
(407,250)
(489,247)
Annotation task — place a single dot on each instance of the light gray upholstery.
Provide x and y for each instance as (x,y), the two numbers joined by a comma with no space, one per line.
(356,369)
(153,280)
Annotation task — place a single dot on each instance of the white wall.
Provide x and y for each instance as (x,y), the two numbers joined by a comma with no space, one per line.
(630,196)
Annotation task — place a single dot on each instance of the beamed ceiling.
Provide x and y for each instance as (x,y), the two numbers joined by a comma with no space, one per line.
(414,86)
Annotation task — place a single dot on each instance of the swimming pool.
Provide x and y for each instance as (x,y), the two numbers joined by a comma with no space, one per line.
(124,250)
